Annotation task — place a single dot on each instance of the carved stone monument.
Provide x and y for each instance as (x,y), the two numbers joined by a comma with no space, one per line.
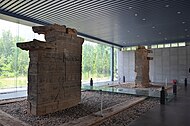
(54,74)
(142,67)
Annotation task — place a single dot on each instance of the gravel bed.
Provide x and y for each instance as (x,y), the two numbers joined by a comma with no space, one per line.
(131,114)
(90,103)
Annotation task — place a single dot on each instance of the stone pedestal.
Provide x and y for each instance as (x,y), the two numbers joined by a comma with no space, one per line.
(142,67)
(54,74)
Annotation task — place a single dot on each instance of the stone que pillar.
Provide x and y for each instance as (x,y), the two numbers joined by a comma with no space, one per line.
(142,67)
(54,74)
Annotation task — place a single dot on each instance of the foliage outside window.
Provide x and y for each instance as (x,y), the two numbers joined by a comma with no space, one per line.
(13,61)
(115,64)
(95,62)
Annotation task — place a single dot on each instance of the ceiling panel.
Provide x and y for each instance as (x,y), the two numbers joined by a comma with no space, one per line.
(118,22)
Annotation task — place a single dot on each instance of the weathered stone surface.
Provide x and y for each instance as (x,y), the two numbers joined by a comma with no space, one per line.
(49,28)
(142,66)
(35,45)
(54,74)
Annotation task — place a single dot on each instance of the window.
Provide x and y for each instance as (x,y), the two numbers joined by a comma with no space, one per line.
(154,46)
(167,45)
(134,48)
(160,46)
(95,62)
(123,49)
(181,44)
(174,45)
(14,61)
(128,48)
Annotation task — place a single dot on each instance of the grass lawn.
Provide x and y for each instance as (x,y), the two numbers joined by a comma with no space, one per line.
(13,82)
(97,77)
(22,81)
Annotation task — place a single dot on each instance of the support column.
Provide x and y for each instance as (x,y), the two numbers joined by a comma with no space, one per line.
(112,63)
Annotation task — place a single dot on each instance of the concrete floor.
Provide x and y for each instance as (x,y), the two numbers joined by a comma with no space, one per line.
(175,113)
(10,95)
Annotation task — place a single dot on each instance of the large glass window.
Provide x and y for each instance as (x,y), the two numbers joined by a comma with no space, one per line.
(116,64)
(96,58)
(14,61)
(95,62)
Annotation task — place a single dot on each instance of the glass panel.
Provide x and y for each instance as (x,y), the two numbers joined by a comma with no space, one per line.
(95,62)
(160,46)
(13,61)
(128,48)
(134,48)
(115,64)
(154,46)
(25,34)
(174,44)
(181,44)
(8,51)
(167,45)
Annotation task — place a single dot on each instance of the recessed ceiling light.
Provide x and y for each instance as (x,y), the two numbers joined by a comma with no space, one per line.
(166,38)
(186,29)
(153,27)
(128,31)
(144,19)
(183,22)
(136,14)
(130,7)
(167,5)
(159,33)
(178,12)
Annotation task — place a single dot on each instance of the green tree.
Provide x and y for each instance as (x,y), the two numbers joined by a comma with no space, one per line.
(11,58)
(96,61)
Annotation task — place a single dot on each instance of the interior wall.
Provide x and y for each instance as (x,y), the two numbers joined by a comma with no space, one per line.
(167,64)
(126,65)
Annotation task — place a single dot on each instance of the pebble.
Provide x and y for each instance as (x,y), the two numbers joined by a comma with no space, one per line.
(90,103)
(131,114)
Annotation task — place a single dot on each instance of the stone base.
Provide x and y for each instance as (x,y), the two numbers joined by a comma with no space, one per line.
(51,107)
(140,85)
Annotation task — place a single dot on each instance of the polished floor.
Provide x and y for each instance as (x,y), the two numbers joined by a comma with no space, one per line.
(22,92)
(174,113)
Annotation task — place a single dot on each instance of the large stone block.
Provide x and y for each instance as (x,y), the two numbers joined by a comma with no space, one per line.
(54,74)
(142,66)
